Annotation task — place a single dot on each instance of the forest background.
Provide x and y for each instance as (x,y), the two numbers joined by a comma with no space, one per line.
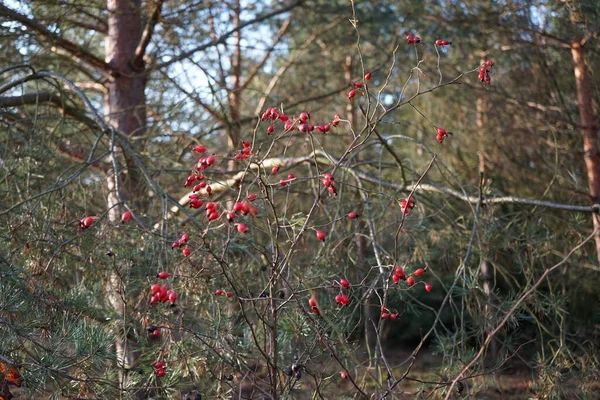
(299,199)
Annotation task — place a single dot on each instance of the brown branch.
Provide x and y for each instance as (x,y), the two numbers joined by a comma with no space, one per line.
(46,35)
(262,62)
(226,35)
(97,26)
(140,51)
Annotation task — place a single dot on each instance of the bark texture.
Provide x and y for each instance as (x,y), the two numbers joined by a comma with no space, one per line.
(589,130)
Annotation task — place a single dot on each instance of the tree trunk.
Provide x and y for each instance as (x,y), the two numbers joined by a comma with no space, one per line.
(125,105)
(125,101)
(588,130)
(485,267)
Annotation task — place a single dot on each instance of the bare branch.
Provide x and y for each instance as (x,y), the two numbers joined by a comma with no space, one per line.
(262,62)
(226,35)
(514,308)
(140,51)
(46,35)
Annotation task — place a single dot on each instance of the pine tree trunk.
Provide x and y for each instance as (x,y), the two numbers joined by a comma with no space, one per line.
(588,130)
(125,105)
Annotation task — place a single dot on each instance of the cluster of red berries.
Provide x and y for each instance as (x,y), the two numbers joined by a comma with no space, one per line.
(385,314)
(244,153)
(182,242)
(357,85)
(441,43)
(406,205)
(484,72)
(159,368)
(202,164)
(301,123)
(400,275)
(284,182)
(341,298)
(219,292)
(160,293)
(211,211)
(328,182)
(442,134)
(272,114)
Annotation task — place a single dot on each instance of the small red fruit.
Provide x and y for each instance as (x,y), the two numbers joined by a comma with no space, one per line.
(199,149)
(312,302)
(210,160)
(352,215)
(288,125)
(400,273)
(336,120)
(172,297)
(154,299)
(283,117)
(155,288)
(156,332)
(419,272)
(344,283)
(270,129)
(315,310)
(385,315)
(393,317)
(343,375)
(159,364)
(242,228)
(87,222)
(441,134)
(228,294)
(186,252)
(184,238)
(218,292)
(213,216)
(163,275)
(396,278)
(368,76)
(358,85)
(320,235)
(304,116)
(252,197)
(275,169)
(410,281)
(126,216)
(428,287)
(489,63)
(160,373)
(351,94)
(291,177)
